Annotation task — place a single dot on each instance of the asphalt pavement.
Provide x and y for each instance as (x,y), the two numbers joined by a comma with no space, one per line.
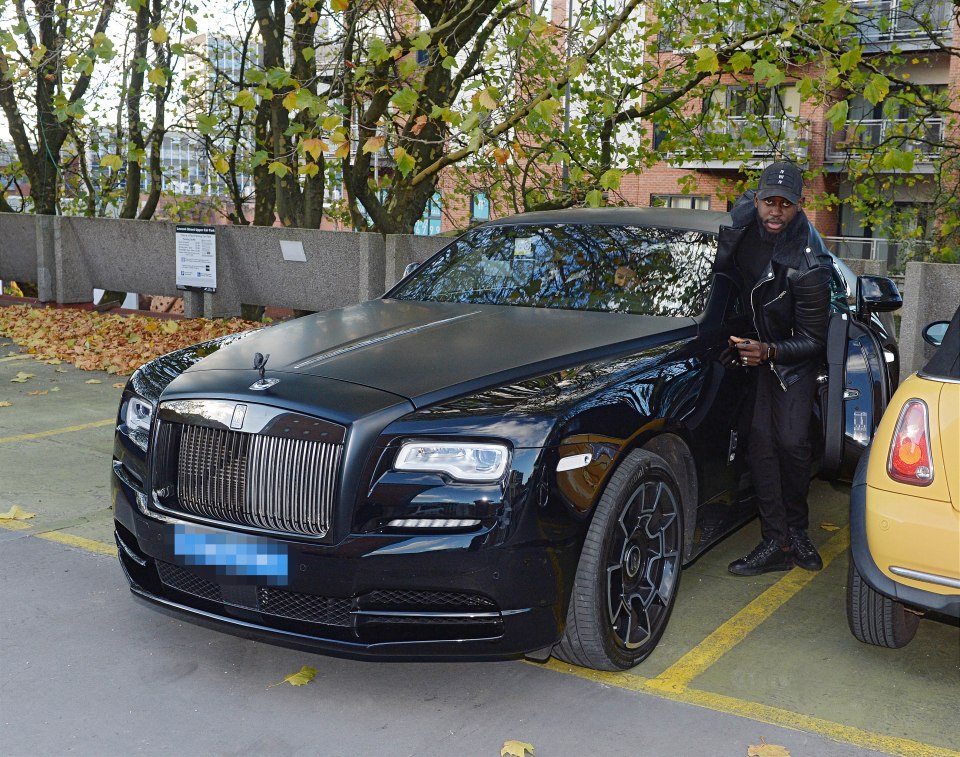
(87,670)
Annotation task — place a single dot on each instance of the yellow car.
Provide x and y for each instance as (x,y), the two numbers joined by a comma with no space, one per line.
(905,504)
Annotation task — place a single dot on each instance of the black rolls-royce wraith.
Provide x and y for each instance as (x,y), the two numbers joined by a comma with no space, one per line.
(514,451)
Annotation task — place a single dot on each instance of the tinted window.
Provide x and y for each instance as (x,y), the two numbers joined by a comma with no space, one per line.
(573,267)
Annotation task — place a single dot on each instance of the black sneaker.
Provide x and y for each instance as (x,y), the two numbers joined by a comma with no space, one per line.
(805,555)
(766,557)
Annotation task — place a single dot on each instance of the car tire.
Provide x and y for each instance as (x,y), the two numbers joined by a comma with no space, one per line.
(629,569)
(874,618)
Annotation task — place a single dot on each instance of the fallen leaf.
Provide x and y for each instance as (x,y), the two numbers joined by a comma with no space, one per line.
(827,526)
(6,404)
(93,381)
(302,678)
(763,749)
(118,385)
(53,361)
(515,748)
(55,389)
(38,393)
(16,513)
(21,378)
(61,370)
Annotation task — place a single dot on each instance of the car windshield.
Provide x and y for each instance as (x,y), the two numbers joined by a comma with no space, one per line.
(622,269)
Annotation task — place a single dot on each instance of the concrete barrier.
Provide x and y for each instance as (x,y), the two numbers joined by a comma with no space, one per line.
(931,293)
(69,257)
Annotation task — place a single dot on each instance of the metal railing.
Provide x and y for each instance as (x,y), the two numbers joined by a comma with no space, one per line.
(924,139)
(893,252)
(761,137)
(901,20)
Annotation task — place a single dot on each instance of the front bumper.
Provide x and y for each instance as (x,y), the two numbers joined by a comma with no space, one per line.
(940,599)
(439,597)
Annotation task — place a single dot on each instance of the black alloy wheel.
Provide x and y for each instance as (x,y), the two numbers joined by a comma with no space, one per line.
(629,568)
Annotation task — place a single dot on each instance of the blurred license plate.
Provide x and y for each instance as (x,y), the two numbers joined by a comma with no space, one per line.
(230,554)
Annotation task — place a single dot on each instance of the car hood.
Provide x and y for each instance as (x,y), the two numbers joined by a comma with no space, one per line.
(429,351)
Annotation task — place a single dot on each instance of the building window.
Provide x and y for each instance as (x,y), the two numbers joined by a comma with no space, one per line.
(690,202)
(429,224)
(479,207)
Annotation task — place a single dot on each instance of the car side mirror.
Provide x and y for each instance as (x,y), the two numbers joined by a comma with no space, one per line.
(934,332)
(877,294)
(410,268)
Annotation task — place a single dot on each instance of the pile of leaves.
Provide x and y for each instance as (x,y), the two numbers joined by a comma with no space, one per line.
(102,342)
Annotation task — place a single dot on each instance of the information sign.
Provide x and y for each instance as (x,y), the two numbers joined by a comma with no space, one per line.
(197,257)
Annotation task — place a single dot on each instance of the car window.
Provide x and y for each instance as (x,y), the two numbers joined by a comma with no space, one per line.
(622,269)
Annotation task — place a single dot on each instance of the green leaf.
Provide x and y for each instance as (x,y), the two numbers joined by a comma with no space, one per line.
(159,35)
(851,58)
(898,160)
(837,115)
(377,50)
(158,77)
(610,179)
(245,99)
(308,53)
(421,42)
(405,100)
(408,65)
(207,124)
(707,60)
(278,168)
(741,60)
(259,158)
(190,23)
(278,77)
(765,71)
(405,162)
(877,88)
(449,62)
(112,162)
(300,678)
(594,198)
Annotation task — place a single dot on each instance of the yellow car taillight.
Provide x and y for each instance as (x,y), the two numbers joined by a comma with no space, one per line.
(910,459)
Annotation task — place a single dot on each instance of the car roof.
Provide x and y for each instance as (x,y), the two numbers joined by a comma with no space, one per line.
(681,218)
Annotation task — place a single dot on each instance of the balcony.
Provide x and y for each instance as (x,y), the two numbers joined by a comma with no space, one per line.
(906,24)
(859,138)
(746,142)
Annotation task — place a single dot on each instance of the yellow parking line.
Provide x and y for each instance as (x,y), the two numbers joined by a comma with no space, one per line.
(80,542)
(14,525)
(760,712)
(57,431)
(732,632)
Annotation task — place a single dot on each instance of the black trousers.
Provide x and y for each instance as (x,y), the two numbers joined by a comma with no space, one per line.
(779,452)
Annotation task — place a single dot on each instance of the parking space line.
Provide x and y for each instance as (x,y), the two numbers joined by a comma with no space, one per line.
(760,712)
(56,431)
(726,636)
(80,542)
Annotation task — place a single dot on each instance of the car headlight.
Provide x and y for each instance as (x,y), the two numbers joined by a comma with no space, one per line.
(464,461)
(137,416)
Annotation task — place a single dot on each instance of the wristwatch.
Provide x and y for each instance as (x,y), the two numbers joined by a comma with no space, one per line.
(771,352)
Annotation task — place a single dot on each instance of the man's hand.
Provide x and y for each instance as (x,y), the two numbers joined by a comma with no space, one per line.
(750,351)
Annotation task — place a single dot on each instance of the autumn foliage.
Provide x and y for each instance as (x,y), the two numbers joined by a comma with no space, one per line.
(100,342)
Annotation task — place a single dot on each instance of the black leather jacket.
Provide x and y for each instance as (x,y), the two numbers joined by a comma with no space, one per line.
(791,302)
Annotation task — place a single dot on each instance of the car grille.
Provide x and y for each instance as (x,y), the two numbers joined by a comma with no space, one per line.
(183,580)
(276,483)
(328,611)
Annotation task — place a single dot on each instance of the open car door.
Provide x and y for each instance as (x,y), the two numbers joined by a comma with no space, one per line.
(858,385)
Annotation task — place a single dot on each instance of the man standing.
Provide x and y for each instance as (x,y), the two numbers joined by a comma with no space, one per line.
(783,265)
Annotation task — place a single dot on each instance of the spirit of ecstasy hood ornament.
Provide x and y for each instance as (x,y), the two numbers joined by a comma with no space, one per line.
(260,364)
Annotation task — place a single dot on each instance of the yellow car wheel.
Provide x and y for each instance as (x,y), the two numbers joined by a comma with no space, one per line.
(875,618)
